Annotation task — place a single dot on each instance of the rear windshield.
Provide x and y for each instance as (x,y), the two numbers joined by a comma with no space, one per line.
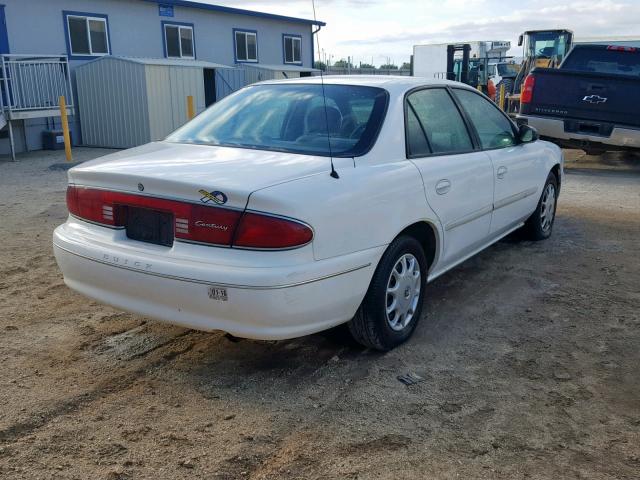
(601,60)
(294,118)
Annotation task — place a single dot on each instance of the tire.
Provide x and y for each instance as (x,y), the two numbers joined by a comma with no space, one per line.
(376,327)
(540,224)
(508,87)
(594,152)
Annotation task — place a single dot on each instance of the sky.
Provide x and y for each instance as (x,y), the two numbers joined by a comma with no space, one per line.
(376,30)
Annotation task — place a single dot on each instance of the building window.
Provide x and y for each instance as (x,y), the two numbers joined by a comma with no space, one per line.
(87,34)
(178,40)
(292,49)
(246,45)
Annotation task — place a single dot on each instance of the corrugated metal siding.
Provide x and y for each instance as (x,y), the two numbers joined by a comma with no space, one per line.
(228,80)
(124,103)
(185,82)
(160,107)
(168,88)
(112,101)
(255,74)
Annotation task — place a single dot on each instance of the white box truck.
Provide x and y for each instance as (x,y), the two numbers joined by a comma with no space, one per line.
(430,61)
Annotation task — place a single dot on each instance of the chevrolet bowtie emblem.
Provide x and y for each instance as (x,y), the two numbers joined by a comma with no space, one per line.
(594,99)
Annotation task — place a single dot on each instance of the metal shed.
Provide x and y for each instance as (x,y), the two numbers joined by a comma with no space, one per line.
(260,72)
(129,101)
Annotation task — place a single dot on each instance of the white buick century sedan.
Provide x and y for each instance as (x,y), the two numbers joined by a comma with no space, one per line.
(293,206)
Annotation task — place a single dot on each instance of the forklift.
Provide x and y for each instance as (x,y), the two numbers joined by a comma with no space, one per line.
(477,70)
(541,48)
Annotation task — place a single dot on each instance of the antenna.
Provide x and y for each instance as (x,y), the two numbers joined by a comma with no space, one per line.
(333,173)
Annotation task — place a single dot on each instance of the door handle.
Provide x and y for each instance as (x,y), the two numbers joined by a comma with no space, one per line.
(443,186)
(502,171)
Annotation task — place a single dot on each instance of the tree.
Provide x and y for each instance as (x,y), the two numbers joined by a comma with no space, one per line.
(366,65)
(320,65)
(342,63)
(406,66)
(388,66)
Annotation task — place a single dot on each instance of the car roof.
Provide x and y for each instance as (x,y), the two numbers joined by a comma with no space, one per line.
(388,82)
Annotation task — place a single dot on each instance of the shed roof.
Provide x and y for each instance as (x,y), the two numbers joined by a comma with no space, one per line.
(237,11)
(280,68)
(178,62)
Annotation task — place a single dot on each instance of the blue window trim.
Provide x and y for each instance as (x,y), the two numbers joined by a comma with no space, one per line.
(67,13)
(237,11)
(284,53)
(5,27)
(313,53)
(235,49)
(178,24)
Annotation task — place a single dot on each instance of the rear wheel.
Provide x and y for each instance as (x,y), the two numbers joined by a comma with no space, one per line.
(393,304)
(540,223)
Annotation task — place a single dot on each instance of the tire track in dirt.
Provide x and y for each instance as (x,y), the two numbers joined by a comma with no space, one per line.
(108,386)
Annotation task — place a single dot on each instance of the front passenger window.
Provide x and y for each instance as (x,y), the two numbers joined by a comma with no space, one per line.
(494,129)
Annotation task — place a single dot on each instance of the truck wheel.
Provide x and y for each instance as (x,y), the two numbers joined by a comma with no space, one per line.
(391,309)
(540,224)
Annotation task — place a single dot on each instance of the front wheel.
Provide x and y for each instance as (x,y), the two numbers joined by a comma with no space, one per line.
(508,87)
(391,309)
(540,223)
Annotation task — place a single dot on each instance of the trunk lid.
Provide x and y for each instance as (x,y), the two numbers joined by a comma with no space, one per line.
(199,173)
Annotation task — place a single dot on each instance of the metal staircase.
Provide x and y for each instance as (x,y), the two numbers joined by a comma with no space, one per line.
(31,87)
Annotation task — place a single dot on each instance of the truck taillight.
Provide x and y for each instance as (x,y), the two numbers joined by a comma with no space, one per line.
(192,222)
(527,89)
(621,48)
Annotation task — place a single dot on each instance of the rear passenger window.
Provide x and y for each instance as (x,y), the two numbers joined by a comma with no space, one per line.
(434,124)
(417,141)
(494,129)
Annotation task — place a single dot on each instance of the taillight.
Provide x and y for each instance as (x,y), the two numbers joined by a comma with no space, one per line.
(93,205)
(265,231)
(527,89)
(192,222)
(620,48)
(204,224)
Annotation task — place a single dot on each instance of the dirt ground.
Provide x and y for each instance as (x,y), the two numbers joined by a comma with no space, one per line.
(529,355)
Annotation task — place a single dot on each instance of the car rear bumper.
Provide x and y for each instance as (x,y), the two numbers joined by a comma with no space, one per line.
(555,129)
(263,302)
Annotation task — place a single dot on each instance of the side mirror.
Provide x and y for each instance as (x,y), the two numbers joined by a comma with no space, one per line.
(520,40)
(527,134)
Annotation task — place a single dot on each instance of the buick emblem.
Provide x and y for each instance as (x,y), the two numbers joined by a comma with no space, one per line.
(594,99)
(141,187)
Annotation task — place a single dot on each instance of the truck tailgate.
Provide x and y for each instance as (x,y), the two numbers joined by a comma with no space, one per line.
(594,97)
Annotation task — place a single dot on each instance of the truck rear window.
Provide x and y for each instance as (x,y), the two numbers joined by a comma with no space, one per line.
(604,61)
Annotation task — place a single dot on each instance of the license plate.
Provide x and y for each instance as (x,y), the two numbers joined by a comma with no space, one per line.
(220,294)
(150,226)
